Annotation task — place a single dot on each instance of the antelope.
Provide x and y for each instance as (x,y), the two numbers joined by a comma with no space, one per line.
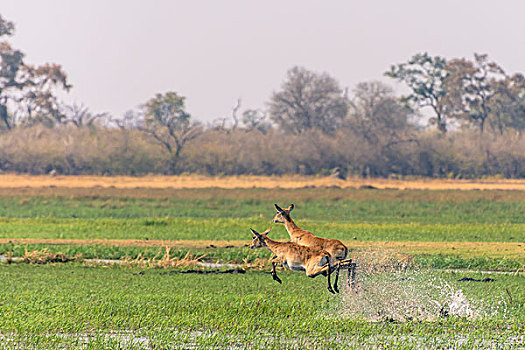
(337,250)
(313,260)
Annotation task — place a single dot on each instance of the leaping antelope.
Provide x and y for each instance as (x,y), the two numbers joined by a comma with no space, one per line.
(313,260)
(337,250)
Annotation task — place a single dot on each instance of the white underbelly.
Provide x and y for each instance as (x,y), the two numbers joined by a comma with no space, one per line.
(294,267)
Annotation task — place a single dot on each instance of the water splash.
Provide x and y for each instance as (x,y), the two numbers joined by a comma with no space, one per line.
(389,287)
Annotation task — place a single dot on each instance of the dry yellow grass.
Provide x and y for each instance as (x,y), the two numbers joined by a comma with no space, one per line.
(45,257)
(165,261)
(510,250)
(126,242)
(230,182)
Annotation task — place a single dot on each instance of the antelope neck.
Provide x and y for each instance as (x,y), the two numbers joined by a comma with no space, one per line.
(290,226)
(271,244)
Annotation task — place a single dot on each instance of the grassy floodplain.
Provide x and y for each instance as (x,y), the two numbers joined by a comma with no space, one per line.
(73,305)
(89,306)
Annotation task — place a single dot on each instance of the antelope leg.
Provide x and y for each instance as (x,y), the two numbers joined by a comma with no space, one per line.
(274,273)
(349,268)
(328,278)
(351,275)
(336,288)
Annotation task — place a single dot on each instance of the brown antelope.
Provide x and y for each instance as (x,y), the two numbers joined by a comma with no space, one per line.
(313,260)
(337,250)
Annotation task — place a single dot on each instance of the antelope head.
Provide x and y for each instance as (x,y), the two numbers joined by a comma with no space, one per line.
(258,240)
(282,215)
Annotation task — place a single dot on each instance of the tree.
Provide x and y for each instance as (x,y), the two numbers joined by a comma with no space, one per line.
(131,119)
(471,88)
(224,124)
(511,99)
(255,119)
(30,89)
(377,114)
(39,99)
(166,120)
(380,121)
(509,103)
(308,100)
(425,77)
(80,115)
(515,92)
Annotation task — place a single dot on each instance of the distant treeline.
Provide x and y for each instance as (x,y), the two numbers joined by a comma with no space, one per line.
(67,150)
(460,118)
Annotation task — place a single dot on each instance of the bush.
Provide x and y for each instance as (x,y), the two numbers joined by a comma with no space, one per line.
(111,151)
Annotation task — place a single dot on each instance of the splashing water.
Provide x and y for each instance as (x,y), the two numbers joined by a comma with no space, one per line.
(391,288)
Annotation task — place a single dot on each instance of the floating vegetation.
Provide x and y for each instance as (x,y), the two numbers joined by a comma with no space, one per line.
(46,256)
(165,261)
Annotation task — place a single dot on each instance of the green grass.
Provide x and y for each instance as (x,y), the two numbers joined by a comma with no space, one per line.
(189,228)
(75,306)
(423,209)
(199,215)
(47,306)
(448,261)
(226,255)
(239,255)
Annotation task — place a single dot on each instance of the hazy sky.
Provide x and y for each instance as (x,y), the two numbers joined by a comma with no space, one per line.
(118,54)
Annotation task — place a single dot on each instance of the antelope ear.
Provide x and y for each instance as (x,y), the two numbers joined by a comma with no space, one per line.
(279,209)
(257,234)
(290,208)
(267,231)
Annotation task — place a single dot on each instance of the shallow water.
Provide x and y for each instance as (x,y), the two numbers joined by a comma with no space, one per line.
(412,295)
